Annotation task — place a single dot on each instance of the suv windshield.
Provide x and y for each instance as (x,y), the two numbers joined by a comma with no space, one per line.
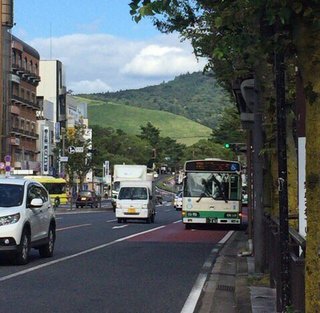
(10,195)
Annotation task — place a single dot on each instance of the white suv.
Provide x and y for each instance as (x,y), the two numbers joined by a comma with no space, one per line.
(27,219)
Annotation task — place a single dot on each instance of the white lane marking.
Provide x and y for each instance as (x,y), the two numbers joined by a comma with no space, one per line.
(226,237)
(111,221)
(121,226)
(72,256)
(194,295)
(192,300)
(176,222)
(74,226)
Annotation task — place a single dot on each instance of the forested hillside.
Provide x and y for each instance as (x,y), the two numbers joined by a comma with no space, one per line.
(196,96)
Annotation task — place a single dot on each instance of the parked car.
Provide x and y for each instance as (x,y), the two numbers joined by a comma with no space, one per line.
(177,201)
(87,198)
(27,219)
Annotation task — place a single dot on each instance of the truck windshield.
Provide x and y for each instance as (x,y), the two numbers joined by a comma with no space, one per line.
(133,193)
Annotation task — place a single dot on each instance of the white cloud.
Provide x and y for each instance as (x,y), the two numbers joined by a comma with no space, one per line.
(86,86)
(101,62)
(161,61)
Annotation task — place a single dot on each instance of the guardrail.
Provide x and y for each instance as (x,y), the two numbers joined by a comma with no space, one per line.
(297,248)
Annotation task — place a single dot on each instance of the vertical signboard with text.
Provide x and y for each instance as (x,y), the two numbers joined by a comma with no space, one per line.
(45,150)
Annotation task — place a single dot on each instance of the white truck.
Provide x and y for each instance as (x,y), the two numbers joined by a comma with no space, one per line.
(124,172)
(136,200)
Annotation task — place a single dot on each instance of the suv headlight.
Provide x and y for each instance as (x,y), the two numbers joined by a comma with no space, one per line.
(9,219)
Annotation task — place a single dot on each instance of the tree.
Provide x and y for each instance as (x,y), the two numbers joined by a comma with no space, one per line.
(79,163)
(239,38)
(150,133)
(229,127)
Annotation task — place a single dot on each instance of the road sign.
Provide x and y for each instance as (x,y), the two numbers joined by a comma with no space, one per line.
(64,159)
(72,149)
(79,149)
(7,158)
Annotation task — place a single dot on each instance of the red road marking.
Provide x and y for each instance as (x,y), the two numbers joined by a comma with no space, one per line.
(178,233)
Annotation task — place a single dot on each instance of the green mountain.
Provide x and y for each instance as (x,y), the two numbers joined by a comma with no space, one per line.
(130,118)
(196,96)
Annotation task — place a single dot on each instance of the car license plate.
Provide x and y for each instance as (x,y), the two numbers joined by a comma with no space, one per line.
(131,210)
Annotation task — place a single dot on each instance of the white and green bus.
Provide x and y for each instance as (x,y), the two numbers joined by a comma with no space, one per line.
(212,192)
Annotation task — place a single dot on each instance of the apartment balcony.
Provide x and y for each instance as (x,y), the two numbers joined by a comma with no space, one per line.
(21,101)
(17,69)
(15,78)
(24,133)
(25,75)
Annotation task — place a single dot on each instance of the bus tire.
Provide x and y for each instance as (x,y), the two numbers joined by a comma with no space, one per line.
(187,226)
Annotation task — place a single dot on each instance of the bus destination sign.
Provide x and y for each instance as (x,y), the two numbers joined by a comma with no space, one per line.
(212,165)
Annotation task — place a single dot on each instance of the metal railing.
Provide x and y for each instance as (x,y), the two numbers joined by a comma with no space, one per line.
(297,247)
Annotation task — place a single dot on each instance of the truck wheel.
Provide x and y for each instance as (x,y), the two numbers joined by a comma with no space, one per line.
(119,220)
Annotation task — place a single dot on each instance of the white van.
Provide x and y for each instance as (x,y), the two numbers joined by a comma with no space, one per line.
(136,201)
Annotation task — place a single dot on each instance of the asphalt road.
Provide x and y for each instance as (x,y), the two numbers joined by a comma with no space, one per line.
(102,266)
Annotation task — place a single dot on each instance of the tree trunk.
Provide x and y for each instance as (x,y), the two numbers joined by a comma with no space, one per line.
(308,49)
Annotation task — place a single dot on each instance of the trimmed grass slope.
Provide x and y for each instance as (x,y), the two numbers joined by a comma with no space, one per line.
(129,119)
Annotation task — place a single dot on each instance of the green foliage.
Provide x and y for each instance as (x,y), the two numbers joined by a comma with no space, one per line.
(79,164)
(129,119)
(229,127)
(150,133)
(183,96)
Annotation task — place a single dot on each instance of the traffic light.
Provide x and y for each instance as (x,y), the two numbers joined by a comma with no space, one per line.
(236,146)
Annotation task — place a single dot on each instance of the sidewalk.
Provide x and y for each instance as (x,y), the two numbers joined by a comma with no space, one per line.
(227,288)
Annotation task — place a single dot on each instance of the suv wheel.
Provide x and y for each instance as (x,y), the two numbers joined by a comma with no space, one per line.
(22,256)
(46,251)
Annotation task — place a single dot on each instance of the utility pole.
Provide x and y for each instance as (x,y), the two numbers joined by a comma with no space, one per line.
(258,208)
(2,91)
(282,181)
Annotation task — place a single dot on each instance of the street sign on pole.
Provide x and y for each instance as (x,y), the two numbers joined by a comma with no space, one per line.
(71,149)
(64,159)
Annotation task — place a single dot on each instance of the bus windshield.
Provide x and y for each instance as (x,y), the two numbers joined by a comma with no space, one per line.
(219,186)
(55,188)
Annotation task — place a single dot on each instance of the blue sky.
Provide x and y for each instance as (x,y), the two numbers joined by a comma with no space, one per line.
(100,46)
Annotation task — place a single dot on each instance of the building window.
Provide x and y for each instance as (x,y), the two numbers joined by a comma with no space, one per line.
(36,68)
(30,69)
(14,56)
(19,60)
(22,93)
(25,63)
(22,123)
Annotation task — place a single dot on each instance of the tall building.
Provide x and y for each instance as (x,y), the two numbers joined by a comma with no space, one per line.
(52,93)
(22,113)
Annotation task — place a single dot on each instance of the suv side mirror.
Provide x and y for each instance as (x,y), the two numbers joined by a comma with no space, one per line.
(36,203)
